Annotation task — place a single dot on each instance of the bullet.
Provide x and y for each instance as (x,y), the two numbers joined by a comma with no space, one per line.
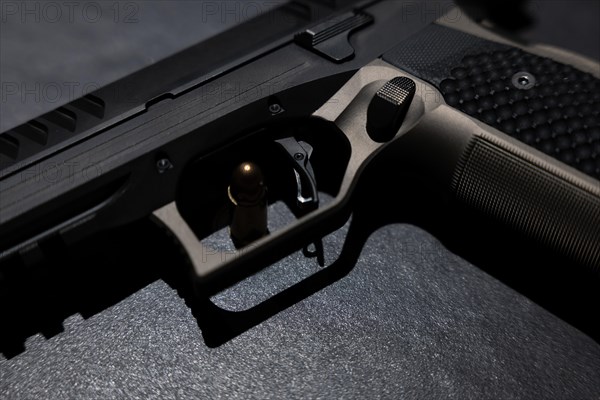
(248,196)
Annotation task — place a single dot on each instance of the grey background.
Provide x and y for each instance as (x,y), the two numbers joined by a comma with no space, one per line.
(410,320)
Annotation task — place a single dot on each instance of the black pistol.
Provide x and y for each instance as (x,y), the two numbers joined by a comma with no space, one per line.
(484,124)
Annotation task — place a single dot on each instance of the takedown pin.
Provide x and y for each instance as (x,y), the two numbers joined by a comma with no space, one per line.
(248,195)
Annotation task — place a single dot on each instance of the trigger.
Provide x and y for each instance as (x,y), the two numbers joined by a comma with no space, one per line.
(307,197)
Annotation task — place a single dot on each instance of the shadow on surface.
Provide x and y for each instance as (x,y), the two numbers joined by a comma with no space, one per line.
(87,278)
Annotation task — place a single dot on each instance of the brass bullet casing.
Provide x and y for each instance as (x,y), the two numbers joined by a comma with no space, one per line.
(248,195)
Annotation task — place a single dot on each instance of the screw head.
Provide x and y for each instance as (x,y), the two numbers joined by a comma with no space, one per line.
(523,80)
(275,108)
(163,165)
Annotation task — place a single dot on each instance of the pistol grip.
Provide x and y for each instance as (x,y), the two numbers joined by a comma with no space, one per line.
(531,193)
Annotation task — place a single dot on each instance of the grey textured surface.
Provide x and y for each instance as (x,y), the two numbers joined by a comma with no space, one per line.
(281,275)
(411,320)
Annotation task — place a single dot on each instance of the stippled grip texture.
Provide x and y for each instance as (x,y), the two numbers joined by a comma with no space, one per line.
(550,106)
(531,199)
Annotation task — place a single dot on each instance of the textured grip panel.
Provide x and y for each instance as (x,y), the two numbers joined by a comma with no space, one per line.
(559,115)
(551,210)
(557,111)
(431,53)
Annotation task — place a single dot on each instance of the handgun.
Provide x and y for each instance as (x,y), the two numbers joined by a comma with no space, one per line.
(481,122)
